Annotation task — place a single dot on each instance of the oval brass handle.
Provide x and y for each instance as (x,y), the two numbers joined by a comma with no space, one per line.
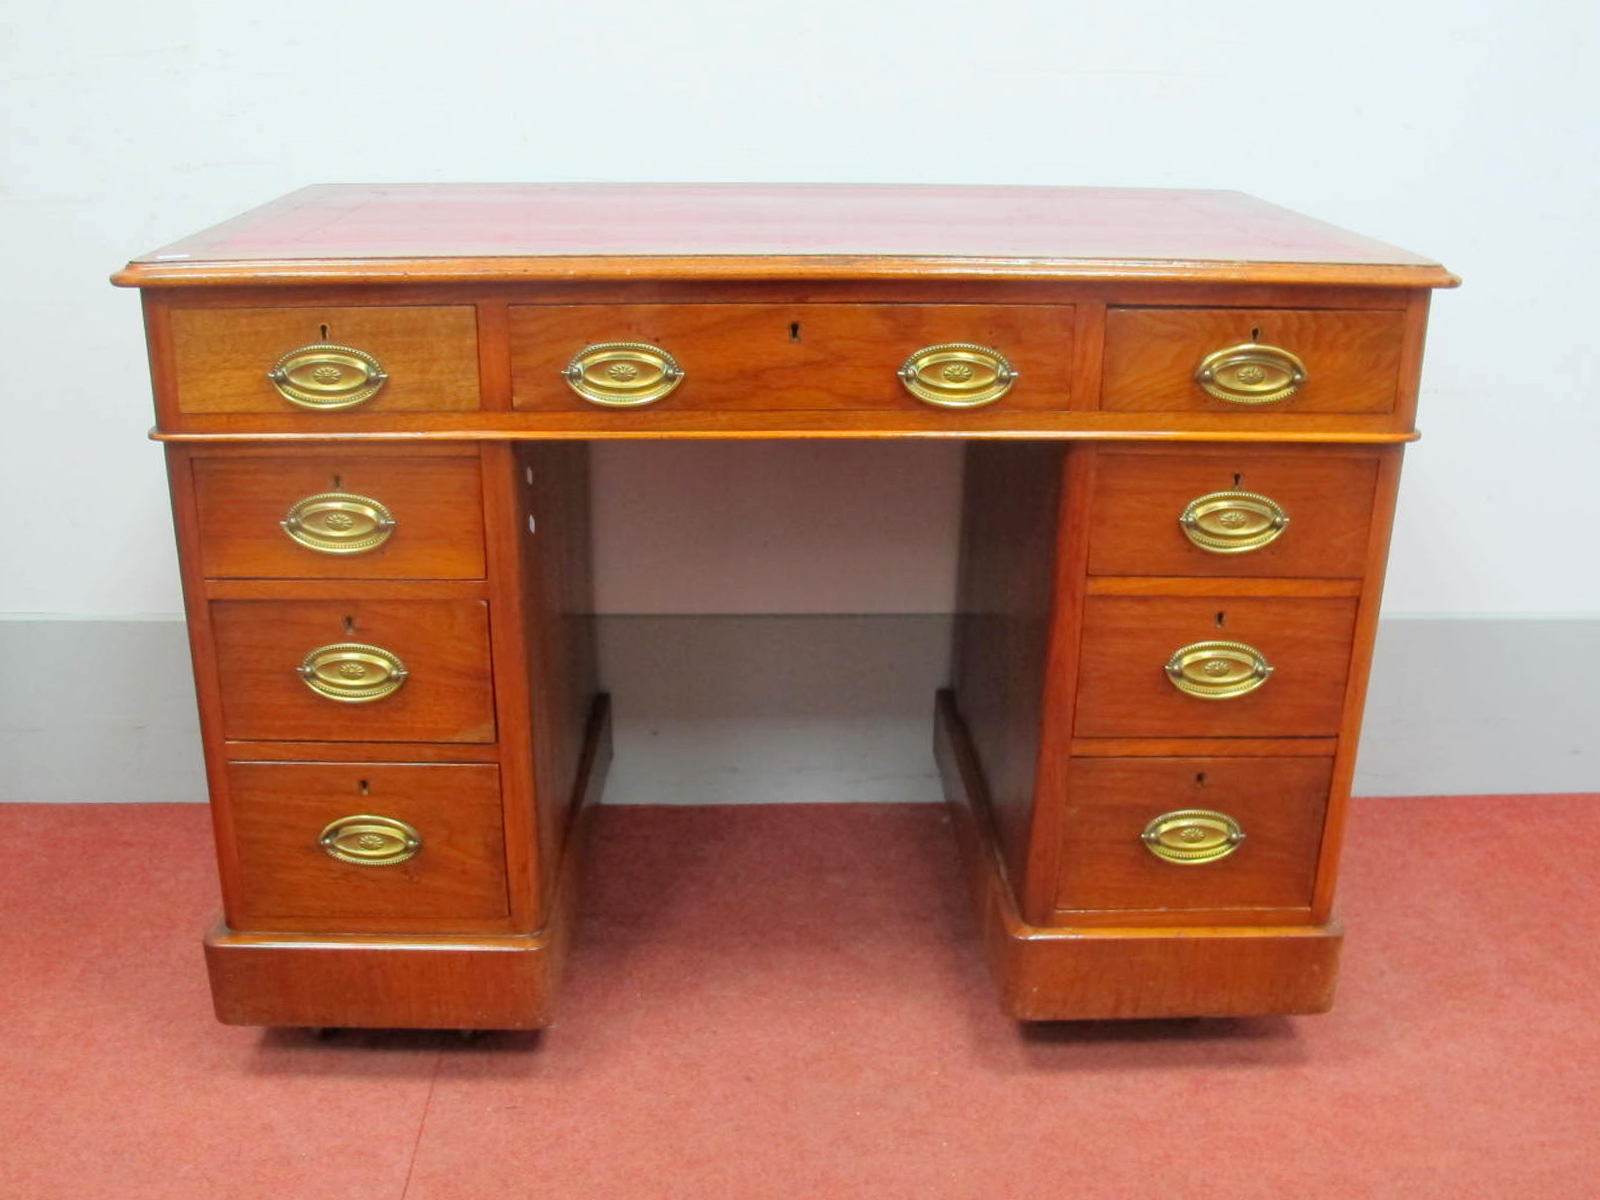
(368,841)
(957,375)
(339,523)
(1232,522)
(352,672)
(622,374)
(1250,373)
(1218,670)
(1192,835)
(327,377)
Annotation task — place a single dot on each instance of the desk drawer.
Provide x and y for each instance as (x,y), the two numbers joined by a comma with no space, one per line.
(1232,512)
(1351,359)
(792,356)
(1192,810)
(365,842)
(383,670)
(1129,642)
(427,358)
(339,517)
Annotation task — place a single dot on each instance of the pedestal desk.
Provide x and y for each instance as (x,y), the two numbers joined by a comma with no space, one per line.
(1183,415)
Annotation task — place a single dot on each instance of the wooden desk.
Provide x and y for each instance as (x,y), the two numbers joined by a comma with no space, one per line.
(1184,414)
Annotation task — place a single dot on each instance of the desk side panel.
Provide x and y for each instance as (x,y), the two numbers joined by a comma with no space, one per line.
(548,514)
(1010,505)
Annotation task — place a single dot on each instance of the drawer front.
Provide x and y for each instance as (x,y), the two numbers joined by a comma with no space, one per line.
(792,356)
(1125,690)
(445,695)
(427,355)
(1106,863)
(1239,512)
(412,842)
(344,517)
(1351,358)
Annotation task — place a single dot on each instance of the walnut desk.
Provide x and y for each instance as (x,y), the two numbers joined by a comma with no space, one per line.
(1183,415)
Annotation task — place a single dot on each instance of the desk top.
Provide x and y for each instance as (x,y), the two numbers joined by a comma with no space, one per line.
(345,233)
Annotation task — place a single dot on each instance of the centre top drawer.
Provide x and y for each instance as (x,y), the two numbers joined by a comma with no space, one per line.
(756,357)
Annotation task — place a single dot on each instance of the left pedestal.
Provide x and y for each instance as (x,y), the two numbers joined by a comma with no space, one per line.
(393,655)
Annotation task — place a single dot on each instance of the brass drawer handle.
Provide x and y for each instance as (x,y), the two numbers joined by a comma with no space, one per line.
(957,375)
(1192,835)
(364,840)
(1218,670)
(623,374)
(339,523)
(352,672)
(1232,522)
(327,377)
(1250,373)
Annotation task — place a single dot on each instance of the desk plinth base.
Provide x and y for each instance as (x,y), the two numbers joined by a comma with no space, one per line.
(497,982)
(1051,974)
(385,983)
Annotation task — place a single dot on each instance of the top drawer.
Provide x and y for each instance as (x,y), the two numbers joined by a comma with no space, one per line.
(770,357)
(343,515)
(1235,510)
(1348,361)
(421,359)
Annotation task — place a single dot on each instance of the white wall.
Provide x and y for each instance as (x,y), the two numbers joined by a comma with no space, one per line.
(1462,129)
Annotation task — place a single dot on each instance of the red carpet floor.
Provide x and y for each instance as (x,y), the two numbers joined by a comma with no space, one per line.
(789,1002)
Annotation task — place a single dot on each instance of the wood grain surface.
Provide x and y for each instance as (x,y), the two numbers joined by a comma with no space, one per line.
(1104,865)
(221,356)
(1138,499)
(435,501)
(1352,359)
(790,309)
(836,384)
(1076,973)
(1006,595)
(557,668)
(290,883)
(1123,690)
(414,980)
(790,356)
(448,695)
